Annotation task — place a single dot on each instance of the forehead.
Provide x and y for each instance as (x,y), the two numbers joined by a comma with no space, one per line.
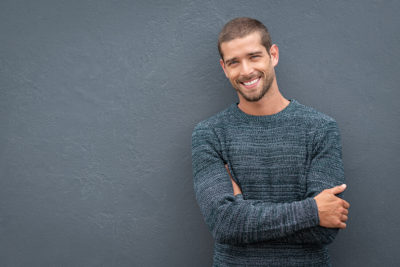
(242,46)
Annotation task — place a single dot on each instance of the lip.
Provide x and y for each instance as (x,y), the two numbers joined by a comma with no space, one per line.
(251,85)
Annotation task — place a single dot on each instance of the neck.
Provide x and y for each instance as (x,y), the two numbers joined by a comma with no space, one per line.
(272,102)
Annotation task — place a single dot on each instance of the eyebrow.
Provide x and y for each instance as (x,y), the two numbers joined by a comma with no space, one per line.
(254,53)
(228,61)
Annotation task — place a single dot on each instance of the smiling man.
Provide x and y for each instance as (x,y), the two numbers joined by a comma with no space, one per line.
(267,171)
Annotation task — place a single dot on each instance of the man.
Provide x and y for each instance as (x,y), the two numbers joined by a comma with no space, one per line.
(267,170)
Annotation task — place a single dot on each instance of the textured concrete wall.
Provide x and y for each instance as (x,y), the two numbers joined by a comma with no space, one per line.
(98,100)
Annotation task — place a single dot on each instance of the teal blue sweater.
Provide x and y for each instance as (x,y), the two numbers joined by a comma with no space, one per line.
(280,162)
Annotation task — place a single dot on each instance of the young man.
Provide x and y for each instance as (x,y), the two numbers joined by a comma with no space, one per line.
(267,170)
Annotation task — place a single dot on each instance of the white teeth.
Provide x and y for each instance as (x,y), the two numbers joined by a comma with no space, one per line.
(250,83)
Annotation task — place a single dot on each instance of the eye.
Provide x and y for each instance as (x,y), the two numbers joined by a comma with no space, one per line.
(233,63)
(255,56)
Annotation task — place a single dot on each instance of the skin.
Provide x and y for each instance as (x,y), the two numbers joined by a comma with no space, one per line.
(246,60)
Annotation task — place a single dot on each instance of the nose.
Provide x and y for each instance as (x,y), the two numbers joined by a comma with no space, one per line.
(246,68)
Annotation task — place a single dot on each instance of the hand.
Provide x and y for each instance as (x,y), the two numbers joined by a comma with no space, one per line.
(236,188)
(332,210)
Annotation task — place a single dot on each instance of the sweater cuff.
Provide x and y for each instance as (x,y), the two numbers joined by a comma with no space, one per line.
(306,213)
(313,211)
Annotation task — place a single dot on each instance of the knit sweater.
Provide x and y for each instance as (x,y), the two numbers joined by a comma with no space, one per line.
(280,162)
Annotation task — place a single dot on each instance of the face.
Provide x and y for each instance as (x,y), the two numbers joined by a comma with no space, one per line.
(249,67)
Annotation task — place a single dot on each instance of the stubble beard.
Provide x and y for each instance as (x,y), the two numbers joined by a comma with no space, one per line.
(267,83)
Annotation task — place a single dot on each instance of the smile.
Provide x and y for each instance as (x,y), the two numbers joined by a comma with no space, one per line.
(251,84)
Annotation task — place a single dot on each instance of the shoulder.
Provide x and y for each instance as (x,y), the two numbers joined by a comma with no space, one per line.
(321,128)
(313,119)
(218,120)
(205,132)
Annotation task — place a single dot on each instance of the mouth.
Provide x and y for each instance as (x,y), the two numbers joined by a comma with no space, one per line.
(251,83)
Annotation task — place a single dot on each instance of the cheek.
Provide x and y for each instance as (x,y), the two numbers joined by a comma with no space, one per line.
(266,70)
(264,66)
(233,76)
(233,81)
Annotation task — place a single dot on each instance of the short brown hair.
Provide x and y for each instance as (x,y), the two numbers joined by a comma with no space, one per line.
(241,27)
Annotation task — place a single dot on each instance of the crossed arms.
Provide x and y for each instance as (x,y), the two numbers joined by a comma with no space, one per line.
(332,211)
(315,219)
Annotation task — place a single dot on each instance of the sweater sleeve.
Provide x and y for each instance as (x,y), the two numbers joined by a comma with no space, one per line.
(325,171)
(232,219)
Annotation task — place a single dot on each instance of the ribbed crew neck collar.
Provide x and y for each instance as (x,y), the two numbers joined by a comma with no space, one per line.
(262,118)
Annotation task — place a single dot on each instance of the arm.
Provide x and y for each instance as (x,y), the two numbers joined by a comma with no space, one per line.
(326,171)
(232,219)
(314,235)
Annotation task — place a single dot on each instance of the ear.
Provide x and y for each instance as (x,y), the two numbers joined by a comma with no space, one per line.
(222,63)
(274,53)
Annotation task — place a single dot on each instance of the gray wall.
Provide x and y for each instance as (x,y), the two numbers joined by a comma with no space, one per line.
(98,100)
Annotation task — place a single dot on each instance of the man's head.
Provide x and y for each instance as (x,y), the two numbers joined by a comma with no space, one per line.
(241,27)
(248,58)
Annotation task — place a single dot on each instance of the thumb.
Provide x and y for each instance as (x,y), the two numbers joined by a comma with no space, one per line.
(338,189)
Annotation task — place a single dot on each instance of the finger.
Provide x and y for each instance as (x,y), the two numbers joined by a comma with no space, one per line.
(337,189)
(345,211)
(342,225)
(234,184)
(346,204)
(236,188)
(344,218)
(227,169)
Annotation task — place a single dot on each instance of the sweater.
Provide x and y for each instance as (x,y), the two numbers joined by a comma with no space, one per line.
(280,162)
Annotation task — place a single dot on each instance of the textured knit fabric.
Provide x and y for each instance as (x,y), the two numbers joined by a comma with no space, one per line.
(280,162)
